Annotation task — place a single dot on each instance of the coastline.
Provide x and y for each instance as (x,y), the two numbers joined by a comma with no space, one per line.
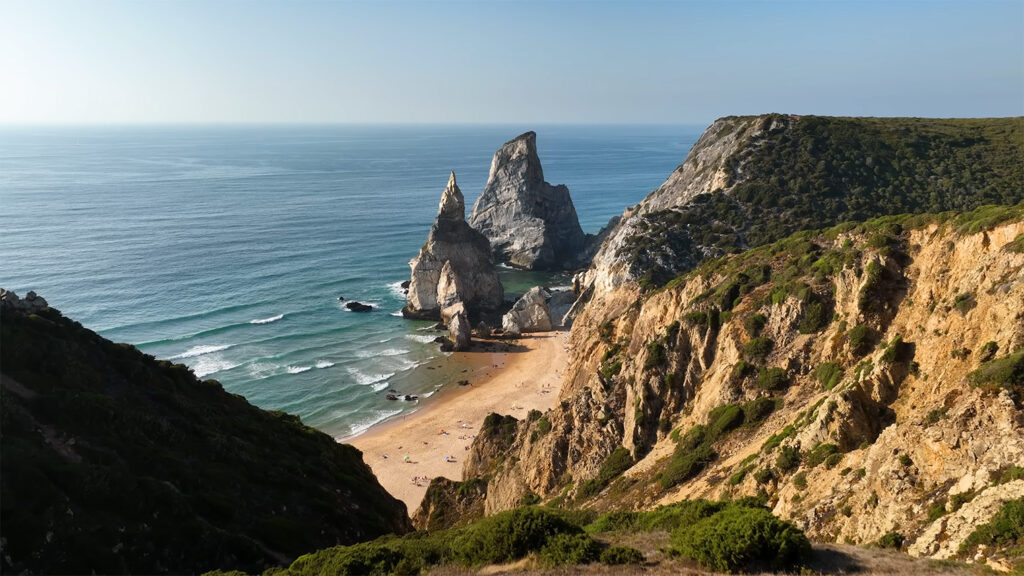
(528,377)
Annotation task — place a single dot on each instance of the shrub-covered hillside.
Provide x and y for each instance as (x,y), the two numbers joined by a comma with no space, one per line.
(804,172)
(114,462)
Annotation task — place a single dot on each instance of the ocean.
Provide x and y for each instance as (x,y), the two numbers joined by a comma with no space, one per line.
(226,248)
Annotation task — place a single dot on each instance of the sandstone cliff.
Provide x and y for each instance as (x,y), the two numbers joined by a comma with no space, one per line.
(841,374)
(455,264)
(530,223)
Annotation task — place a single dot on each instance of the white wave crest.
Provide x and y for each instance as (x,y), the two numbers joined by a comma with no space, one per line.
(298,369)
(397,314)
(261,370)
(366,379)
(266,320)
(377,417)
(380,386)
(396,289)
(200,350)
(212,365)
(424,338)
(324,363)
(379,353)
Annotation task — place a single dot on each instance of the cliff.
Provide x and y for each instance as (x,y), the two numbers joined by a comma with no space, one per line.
(752,180)
(852,376)
(455,265)
(529,223)
(114,462)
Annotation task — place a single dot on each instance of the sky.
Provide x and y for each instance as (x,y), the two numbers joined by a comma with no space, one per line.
(685,62)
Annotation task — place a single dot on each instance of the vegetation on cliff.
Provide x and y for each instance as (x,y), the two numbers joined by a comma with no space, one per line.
(114,462)
(807,172)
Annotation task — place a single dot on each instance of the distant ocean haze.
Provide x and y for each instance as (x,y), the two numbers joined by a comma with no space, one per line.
(226,248)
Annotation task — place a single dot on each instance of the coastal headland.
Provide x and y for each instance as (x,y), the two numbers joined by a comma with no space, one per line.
(407,452)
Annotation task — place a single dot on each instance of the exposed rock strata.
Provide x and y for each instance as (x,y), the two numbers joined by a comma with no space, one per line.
(908,428)
(454,265)
(530,223)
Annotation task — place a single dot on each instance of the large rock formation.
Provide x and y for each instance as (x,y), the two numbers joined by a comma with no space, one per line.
(530,223)
(455,265)
(529,314)
(117,463)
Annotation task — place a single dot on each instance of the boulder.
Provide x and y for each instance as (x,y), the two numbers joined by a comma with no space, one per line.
(559,304)
(358,306)
(459,332)
(530,224)
(529,314)
(452,244)
(31,304)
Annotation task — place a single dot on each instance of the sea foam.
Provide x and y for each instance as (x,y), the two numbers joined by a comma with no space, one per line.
(266,320)
(298,369)
(324,363)
(200,351)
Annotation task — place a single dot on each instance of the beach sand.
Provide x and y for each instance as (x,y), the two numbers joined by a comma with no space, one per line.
(518,381)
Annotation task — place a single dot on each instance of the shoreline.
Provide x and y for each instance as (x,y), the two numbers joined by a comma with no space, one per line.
(411,447)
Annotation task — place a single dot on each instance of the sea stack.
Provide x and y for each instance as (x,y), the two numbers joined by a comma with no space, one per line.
(530,223)
(455,265)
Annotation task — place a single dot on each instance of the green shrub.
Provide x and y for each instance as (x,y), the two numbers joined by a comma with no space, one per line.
(859,338)
(1017,245)
(563,549)
(757,410)
(741,370)
(905,460)
(1002,373)
(1004,530)
(964,302)
(1009,474)
(774,440)
(621,555)
(800,480)
(764,476)
(816,318)
(724,419)
(656,356)
(543,425)
(934,416)
(960,353)
(615,464)
(666,518)
(693,438)
(820,453)
(988,351)
(772,379)
(758,349)
(896,351)
(892,540)
(754,324)
(829,374)
(686,465)
(742,539)
(936,510)
(788,459)
(509,535)
(833,460)
(958,500)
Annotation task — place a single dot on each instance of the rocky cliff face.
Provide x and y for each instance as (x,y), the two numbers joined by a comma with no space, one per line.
(854,377)
(530,223)
(455,265)
(755,179)
(116,463)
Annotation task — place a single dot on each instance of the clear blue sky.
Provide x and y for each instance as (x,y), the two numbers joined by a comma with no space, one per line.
(105,61)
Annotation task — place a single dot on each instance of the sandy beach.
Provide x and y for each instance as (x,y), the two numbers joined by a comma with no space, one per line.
(406,453)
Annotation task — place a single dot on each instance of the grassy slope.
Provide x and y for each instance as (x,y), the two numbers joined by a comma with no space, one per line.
(116,462)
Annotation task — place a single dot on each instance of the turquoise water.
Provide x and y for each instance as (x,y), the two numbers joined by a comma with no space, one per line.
(226,248)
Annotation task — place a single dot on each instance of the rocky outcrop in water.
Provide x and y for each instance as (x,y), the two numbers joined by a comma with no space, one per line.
(530,223)
(455,264)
